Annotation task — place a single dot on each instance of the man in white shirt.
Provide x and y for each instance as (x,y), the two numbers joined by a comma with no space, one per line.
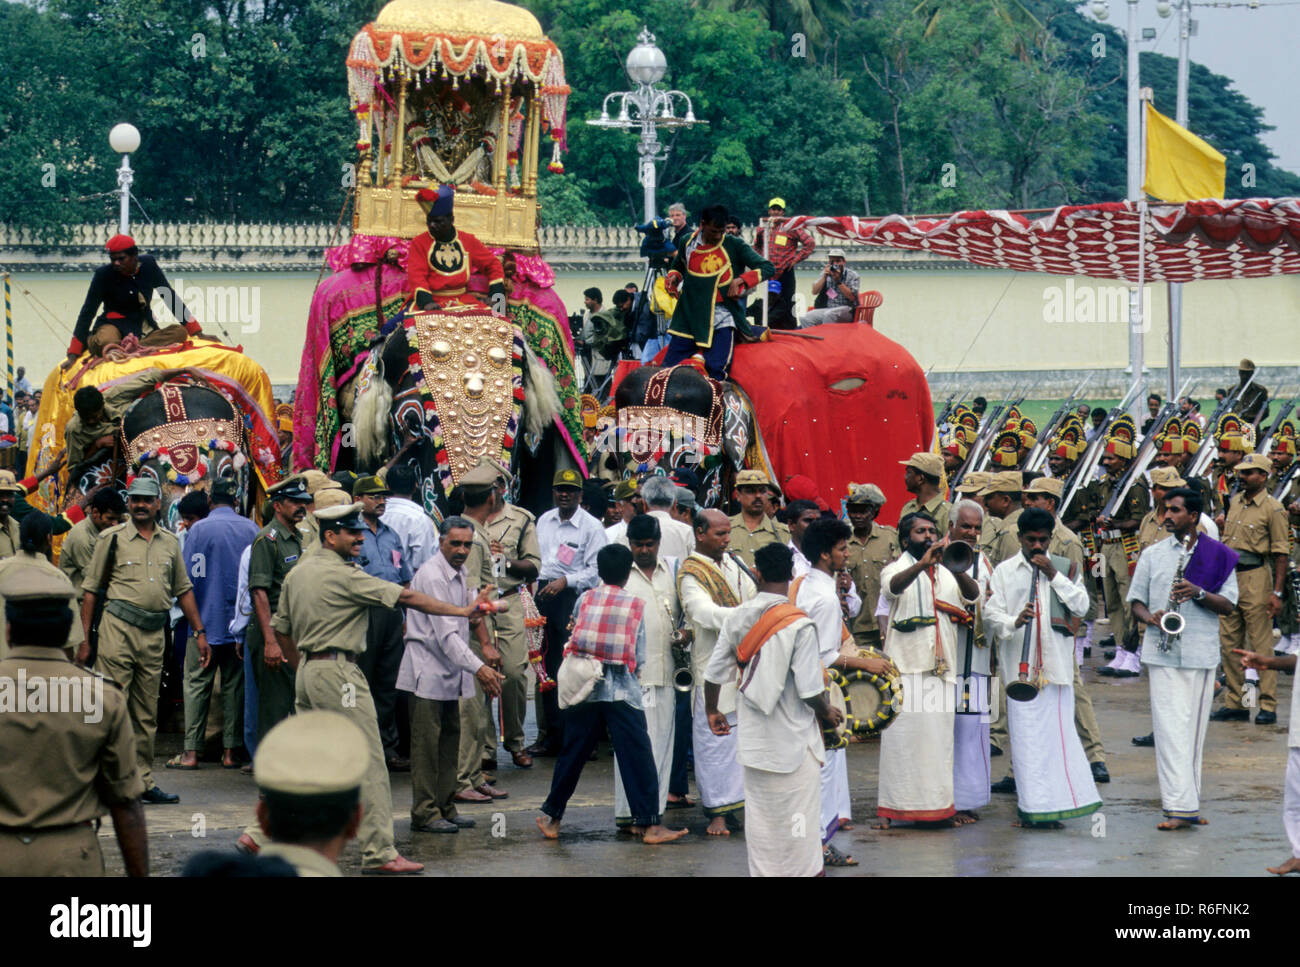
(780,702)
(711,586)
(406,516)
(677,540)
(1053,779)
(800,515)
(654,580)
(570,538)
(627,504)
(972,768)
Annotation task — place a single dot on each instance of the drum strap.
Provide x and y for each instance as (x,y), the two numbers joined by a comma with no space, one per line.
(774,619)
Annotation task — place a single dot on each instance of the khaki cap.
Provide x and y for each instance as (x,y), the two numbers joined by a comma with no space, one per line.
(625,490)
(974,482)
(139,487)
(345,516)
(9,483)
(753,478)
(312,754)
(568,477)
(315,480)
(1255,461)
(501,469)
(1005,482)
(26,583)
(484,475)
(1247,365)
(866,493)
(334,497)
(368,487)
(1166,477)
(1046,485)
(926,462)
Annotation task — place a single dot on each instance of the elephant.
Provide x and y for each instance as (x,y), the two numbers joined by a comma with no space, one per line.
(846,405)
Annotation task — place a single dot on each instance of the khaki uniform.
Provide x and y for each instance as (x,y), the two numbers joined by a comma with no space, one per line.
(515,529)
(309,532)
(936,507)
(477,730)
(1256,528)
(1007,544)
(77,438)
(76,551)
(47,827)
(324,606)
(273,554)
(867,558)
(990,532)
(8,538)
(147,576)
(1115,574)
(745,542)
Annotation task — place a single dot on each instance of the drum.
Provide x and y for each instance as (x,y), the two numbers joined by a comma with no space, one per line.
(838,738)
(874,699)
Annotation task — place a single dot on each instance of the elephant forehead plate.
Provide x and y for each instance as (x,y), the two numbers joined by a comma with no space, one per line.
(459,359)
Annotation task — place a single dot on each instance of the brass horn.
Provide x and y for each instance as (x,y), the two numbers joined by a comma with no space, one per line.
(958,556)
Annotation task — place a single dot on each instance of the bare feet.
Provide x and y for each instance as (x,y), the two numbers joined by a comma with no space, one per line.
(965,817)
(1050,824)
(845,825)
(1182,823)
(1290,866)
(188,759)
(632,830)
(662,834)
(718,826)
(550,827)
(882,824)
(228,760)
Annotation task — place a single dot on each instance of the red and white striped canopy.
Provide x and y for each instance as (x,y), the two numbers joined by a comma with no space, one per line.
(1235,239)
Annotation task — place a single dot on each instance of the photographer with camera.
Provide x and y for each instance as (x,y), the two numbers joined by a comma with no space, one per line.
(839,285)
(788,247)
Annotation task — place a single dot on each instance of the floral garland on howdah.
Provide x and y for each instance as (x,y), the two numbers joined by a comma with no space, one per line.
(163,456)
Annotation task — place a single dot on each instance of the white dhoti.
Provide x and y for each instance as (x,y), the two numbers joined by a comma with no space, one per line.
(1180,715)
(717,771)
(1053,779)
(836,807)
(972,776)
(780,839)
(1290,801)
(916,757)
(660,704)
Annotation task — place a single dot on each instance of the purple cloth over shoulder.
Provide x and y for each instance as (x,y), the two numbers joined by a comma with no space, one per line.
(1211,563)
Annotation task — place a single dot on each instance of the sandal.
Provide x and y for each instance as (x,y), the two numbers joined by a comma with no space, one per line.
(833,857)
(683,803)
(175,762)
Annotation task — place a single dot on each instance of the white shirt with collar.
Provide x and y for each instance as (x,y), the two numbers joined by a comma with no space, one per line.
(414,528)
(706,619)
(662,612)
(1008,595)
(852,598)
(818,599)
(580,538)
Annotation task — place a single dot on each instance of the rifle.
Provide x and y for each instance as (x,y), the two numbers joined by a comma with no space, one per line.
(994,425)
(1285,480)
(1206,454)
(1283,411)
(101,598)
(1141,459)
(1039,453)
(1083,470)
(991,421)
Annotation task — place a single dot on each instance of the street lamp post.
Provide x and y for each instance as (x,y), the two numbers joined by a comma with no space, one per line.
(648,108)
(125,140)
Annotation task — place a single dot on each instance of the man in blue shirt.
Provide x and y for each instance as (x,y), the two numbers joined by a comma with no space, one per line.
(382,556)
(213,547)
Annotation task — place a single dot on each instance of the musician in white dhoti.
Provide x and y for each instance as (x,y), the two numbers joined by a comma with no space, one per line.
(972,775)
(1193,574)
(710,585)
(800,515)
(781,698)
(826,545)
(1291,798)
(927,607)
(654,581)
(1053,780)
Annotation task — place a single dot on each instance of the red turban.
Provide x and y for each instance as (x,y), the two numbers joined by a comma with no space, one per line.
(120,243)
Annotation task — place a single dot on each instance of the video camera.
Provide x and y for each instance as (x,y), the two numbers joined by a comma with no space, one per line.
(656,245)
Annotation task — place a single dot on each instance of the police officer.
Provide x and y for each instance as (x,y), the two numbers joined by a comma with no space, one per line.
(320,625)
(1256,528)
(146,573)
(923,478)
(10,491)
(48,827)
(309,770)
(752,528)
(872,545)
(516,559)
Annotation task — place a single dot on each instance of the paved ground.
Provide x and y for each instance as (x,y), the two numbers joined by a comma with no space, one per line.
(1243,774)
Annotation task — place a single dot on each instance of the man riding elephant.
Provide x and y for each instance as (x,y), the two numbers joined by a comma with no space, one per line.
(441,260)
(709,277)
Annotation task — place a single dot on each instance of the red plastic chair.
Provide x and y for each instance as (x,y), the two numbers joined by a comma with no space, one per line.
(868,303)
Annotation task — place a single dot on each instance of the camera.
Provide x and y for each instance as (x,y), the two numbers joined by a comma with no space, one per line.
(656,246)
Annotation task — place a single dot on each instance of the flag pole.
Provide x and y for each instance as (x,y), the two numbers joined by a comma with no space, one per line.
(9,340)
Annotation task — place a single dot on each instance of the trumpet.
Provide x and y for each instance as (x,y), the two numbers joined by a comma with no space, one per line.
(958,556)
(1171,622)
(1023,690)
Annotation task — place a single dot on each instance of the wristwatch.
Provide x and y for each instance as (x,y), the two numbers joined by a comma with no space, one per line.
(1277,594)
(1199,595)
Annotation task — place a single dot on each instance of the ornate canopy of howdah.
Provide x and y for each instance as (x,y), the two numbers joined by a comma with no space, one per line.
(449,92)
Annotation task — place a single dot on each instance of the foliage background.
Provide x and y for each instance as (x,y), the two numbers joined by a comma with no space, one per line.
(840,106)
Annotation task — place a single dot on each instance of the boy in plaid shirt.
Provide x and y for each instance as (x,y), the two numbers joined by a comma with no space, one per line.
(609,625)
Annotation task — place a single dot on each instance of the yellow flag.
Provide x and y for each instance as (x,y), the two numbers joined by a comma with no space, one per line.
(1180,166)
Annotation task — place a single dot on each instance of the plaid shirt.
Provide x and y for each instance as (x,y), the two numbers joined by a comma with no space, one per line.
(789,247)
(607,626)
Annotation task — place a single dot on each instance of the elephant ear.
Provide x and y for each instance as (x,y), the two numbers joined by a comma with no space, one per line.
(737,426)
(370,412)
